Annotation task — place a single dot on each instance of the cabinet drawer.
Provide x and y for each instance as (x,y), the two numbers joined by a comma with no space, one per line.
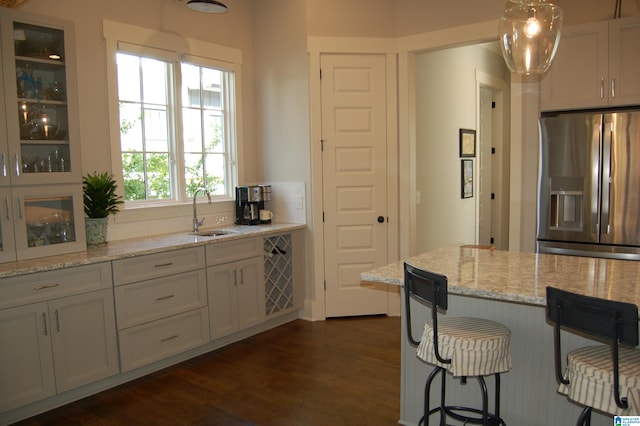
(39,286)
(159,298)
(233,250)
(161,339)
(149,266)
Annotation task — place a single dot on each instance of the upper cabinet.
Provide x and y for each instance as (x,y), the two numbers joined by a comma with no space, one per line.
(41,206)
(40,102)
(597,65)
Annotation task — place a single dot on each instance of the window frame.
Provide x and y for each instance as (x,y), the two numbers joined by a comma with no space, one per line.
(150,43)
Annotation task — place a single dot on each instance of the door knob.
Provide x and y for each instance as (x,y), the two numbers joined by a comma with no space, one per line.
(380,219)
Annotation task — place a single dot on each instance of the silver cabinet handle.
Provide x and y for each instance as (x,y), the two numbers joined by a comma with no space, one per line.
(158,299)
(235,277)
(44,321)
(613,87)
(6,208)
(42,287)
(241,276)
(601,87)
(166,339)
(17,165)
(4,165)
(162,265)
(19,208)
(57,315)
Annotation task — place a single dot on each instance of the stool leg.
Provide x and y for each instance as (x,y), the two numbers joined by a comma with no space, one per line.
(497,402)
(443,393)
(485,401)
(585,417)
(427,391)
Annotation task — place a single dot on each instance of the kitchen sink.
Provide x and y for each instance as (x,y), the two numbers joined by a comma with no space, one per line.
(212,233)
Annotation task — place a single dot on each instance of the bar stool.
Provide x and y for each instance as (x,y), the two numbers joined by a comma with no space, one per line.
(463,346)
(604,377)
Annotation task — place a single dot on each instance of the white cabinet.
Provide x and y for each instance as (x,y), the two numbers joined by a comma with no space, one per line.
(597,65)
(40,171)
(65,337)
(236,286)
(26,370)
(161,305)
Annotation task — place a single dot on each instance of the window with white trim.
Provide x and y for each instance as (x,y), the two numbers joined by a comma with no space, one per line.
(176,124)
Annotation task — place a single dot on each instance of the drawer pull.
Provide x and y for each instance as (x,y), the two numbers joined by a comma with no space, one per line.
(42,287)
(166,339)
(162,265)
(165,297)
(57,314)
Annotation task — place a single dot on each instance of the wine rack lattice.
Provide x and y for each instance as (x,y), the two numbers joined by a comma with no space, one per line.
(278,271)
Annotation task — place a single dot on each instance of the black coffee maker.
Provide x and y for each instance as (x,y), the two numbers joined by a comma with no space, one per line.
(249,202)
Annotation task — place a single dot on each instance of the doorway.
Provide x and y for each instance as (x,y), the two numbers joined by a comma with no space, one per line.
(493,165)
(447,99)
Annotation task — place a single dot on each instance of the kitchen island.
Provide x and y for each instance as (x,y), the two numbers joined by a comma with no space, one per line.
(509,287)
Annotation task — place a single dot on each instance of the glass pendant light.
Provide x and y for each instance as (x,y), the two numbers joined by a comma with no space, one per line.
(529,35)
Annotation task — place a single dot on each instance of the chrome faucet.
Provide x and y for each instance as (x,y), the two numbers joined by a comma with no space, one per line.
(198,223)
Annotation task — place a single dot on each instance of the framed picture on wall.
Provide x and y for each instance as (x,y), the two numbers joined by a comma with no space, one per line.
(467,143)
(466,178)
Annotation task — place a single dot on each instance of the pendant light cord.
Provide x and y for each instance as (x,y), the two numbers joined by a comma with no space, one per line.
(617,13)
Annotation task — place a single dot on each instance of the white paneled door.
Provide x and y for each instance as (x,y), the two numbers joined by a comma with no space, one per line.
(354,165)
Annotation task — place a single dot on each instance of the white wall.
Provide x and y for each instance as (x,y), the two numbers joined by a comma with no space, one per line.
(446,102)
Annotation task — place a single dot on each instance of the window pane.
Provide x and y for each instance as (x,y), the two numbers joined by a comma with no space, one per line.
(144,135)
(128,77)
(133,174)
(215,173)
(213,132)
(210,146)
(154,79)
(155,123)
(192,130)
(158,177)
(211,88)
(130,127)
(194,173)
(190,85)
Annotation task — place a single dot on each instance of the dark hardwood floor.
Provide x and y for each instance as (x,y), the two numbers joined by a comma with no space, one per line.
(334,372)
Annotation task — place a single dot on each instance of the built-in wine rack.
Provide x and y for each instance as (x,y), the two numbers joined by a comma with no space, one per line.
(278,271)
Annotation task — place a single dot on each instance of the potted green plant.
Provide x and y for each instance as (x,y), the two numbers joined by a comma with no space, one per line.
(100,200)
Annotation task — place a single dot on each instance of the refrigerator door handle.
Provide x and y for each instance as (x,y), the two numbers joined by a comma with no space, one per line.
(607,156)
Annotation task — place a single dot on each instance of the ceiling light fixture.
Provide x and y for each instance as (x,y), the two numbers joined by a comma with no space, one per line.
(529,35)
(207,6)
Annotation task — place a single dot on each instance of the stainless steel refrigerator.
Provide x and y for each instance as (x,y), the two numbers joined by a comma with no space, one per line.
(589,184)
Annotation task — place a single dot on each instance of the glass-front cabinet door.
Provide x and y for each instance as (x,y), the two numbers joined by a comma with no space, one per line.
(39,79)
(48,223)
(7,241)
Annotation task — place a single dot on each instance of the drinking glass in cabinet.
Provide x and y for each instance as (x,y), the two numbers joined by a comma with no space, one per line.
(49,221)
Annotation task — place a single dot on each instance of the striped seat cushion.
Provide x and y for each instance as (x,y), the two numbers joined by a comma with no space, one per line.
(590,374)
(476,346)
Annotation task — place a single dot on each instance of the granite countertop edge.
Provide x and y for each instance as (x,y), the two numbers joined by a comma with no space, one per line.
(122,249)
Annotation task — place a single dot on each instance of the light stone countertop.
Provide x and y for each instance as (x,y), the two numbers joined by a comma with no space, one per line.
(140,246)
(520,277)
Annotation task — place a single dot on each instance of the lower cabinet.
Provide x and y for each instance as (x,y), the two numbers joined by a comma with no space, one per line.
(235,280)
(56,345)
(161,309)
(62,329)
(236,296)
